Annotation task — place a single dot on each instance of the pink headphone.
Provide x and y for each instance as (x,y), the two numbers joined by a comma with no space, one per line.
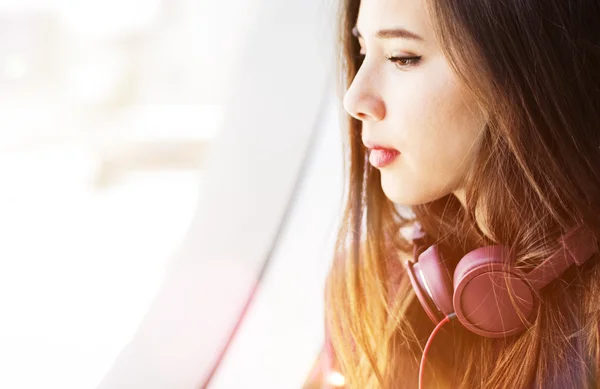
(478,292)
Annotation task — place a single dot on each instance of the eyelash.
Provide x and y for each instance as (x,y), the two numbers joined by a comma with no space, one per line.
(398,60)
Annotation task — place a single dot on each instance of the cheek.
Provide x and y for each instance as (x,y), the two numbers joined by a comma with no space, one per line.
(439,127)
(448,141)
(438,135)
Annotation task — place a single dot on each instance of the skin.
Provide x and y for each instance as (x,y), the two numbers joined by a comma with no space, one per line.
(414,106)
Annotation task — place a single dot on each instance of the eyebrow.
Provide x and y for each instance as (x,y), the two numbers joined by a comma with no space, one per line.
(391,33)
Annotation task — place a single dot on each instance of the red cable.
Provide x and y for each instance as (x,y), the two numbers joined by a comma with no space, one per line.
(429,341)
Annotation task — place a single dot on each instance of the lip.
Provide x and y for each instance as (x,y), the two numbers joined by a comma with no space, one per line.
(377,146)
(382,157)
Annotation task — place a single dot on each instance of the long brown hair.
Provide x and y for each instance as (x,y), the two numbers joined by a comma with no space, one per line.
(533,67)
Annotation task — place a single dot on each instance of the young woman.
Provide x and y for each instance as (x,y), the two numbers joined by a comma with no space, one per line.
(477,124)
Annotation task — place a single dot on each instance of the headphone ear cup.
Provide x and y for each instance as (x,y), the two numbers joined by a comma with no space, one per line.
(485,292)
(432,283)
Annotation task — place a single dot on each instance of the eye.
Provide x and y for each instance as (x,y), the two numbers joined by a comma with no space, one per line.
(403,62)
(400,62)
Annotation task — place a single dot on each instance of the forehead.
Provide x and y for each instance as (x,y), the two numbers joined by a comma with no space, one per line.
(382,14)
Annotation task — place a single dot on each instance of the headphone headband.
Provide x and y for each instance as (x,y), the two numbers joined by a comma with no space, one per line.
(578,245)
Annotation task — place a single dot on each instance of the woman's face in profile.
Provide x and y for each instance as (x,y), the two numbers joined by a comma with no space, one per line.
(408,99)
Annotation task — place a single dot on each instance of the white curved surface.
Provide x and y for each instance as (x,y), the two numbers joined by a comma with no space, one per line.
(250,172)
(283,332)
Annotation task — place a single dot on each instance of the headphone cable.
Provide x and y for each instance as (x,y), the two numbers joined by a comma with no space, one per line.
(445,320)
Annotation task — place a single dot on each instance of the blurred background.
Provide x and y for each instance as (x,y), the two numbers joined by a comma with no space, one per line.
(107,110)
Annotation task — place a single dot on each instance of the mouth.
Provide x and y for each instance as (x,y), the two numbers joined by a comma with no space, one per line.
(376,146)
(380,157)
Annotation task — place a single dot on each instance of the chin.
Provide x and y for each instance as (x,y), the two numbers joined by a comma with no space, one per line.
(405,194)
(401,196)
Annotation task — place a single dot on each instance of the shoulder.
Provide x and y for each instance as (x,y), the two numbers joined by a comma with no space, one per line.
(416,236)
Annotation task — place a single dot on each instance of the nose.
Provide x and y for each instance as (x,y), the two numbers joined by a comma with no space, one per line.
(362,104)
